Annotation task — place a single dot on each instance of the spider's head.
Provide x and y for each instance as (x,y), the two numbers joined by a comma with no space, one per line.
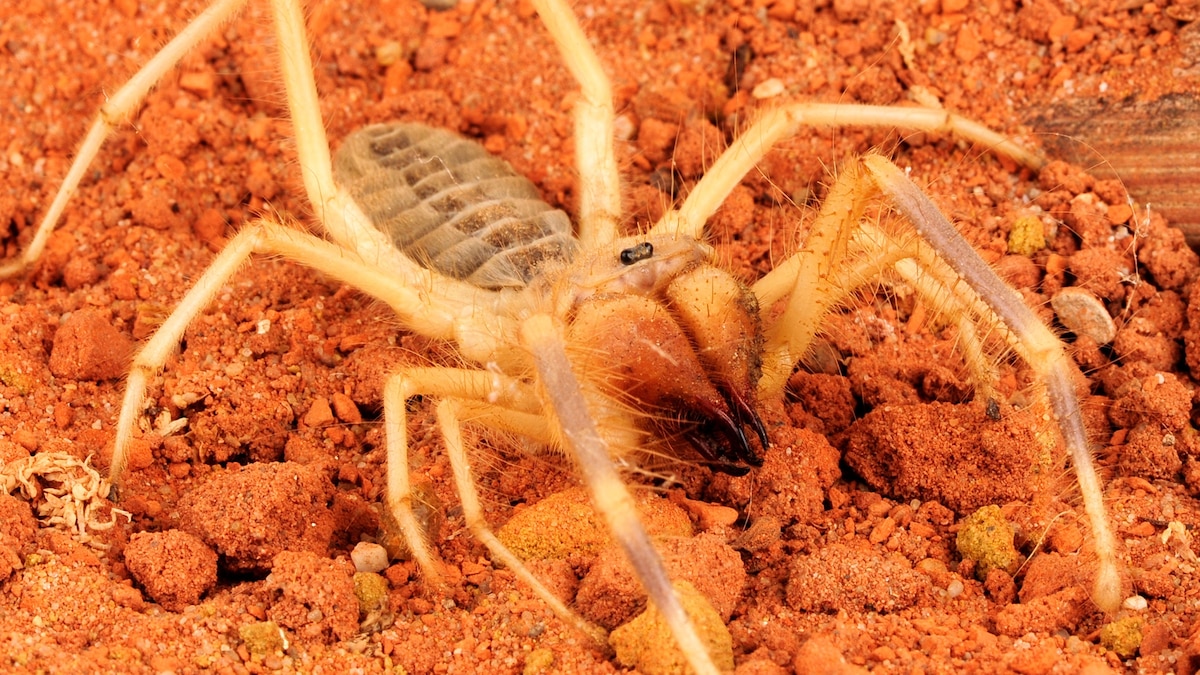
(641,265)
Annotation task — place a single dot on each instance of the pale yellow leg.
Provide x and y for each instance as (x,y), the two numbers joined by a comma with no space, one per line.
(304,107)
(345,223)
(448,421)
(155,352)
(1036,345)
(776,124)
(119,106)
(805,279)
(582,439)
(943,291)
(950,274)
(599,184)
(497,389)
(421,308)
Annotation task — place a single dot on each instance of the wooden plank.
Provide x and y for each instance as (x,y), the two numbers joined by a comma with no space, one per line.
(1153,146)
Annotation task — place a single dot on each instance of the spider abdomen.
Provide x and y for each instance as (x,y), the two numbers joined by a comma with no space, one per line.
(452,206)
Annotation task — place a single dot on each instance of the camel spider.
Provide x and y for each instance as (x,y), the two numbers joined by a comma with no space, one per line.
(533,340)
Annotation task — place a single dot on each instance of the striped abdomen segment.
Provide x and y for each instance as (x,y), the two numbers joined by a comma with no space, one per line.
(451,206)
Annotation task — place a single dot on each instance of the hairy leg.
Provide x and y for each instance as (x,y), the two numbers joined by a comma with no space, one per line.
(119,106)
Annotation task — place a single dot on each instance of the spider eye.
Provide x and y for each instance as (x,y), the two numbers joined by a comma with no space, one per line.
(637,253)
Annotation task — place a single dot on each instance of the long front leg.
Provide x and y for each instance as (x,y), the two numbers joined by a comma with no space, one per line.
(609,494)
(479,385)
(777,124)
(450,424)
(118,107)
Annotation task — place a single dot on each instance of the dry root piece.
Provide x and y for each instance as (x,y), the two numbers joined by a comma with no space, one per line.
(66,493)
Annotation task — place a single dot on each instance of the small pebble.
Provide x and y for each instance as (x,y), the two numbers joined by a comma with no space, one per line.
(89,347)
(1135,603)
(1084,314)
(768,88)
(388,53)
(201,84)
(345,409)
(319,414)
(369,557)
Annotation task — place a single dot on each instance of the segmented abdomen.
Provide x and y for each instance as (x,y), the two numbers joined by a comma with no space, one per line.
(452,206)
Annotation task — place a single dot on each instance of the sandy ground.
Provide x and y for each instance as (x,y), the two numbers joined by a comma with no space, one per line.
(839,555)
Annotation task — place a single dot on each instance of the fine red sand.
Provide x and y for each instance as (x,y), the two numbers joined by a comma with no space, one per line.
(839,555)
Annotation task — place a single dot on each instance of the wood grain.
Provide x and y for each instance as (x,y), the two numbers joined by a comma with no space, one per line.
(1152,146)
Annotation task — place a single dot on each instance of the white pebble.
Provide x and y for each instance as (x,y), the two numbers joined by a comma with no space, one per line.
(623,127)
(768,88)
(954,589)
(369,557)
(1135,603)
(1084,314)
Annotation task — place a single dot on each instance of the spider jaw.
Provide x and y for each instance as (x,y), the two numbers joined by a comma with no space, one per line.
(689,351)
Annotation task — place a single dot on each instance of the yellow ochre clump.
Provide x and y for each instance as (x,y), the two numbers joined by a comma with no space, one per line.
(646,643)
(1027,236)
(371,590)
(566,523)
(262,638)
(987,538)
(1123,636)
